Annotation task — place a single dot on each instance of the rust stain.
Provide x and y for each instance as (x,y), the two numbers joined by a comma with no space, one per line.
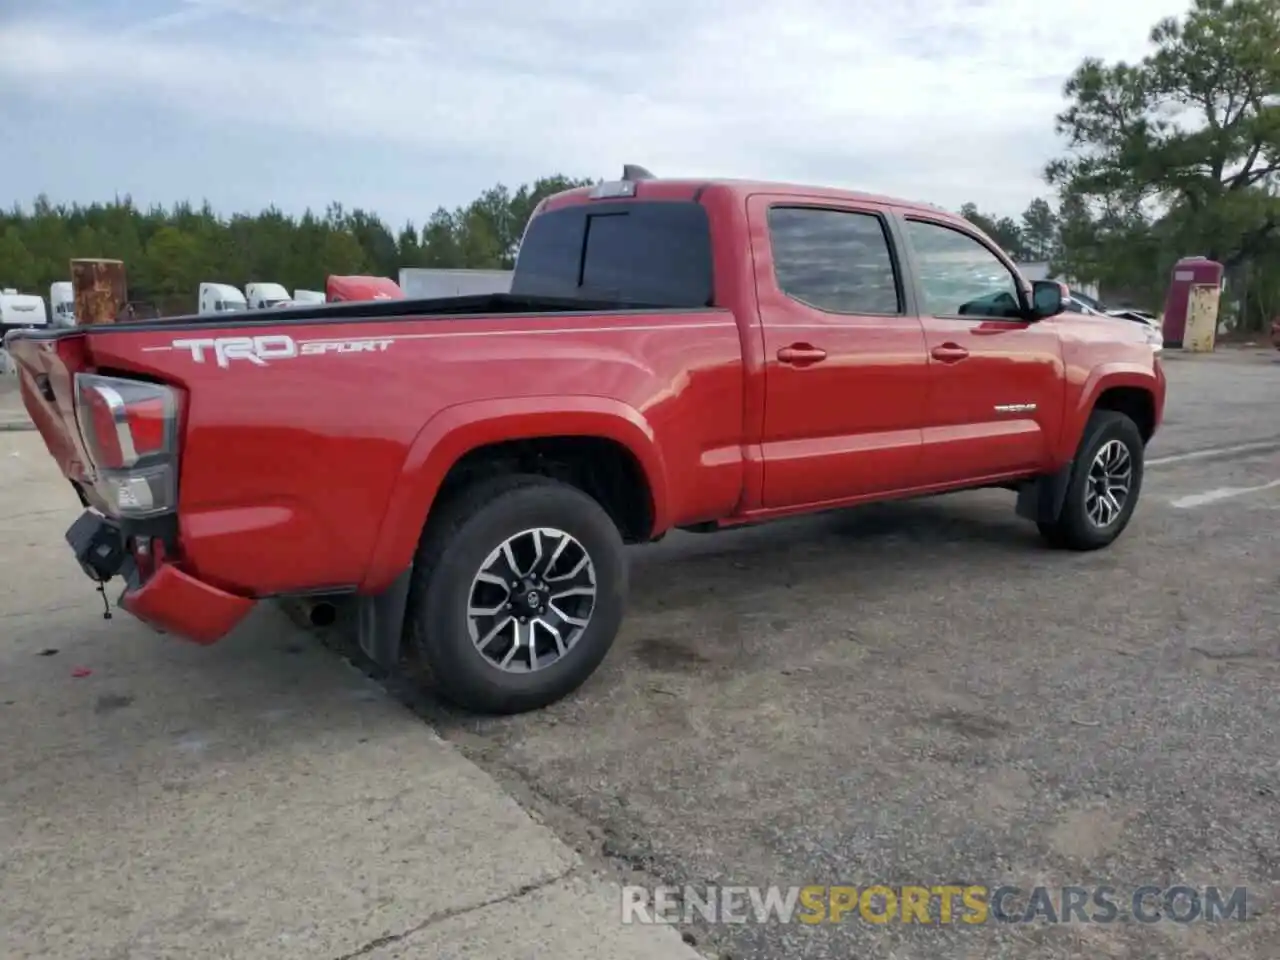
(100,290)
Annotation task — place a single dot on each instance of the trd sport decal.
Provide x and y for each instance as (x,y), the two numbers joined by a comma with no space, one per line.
(262,350)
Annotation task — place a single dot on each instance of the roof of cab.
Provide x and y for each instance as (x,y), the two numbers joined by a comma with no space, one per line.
(670,189)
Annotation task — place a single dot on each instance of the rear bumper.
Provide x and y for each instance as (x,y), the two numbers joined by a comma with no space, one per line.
(166,599)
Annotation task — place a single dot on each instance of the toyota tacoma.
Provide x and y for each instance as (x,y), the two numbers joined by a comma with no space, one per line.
(672,354)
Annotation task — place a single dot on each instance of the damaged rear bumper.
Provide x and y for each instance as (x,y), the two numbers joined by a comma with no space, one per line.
(164,597)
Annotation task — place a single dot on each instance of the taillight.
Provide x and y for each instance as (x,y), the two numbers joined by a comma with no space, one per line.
(130,431)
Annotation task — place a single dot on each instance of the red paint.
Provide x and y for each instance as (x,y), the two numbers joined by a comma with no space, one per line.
(344,289)
(319,471)
(173,601)
(1187,273)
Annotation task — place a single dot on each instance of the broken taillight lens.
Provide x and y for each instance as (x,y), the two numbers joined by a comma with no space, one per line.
(130,433)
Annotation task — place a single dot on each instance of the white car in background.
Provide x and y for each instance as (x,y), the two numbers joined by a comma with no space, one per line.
(1083,303)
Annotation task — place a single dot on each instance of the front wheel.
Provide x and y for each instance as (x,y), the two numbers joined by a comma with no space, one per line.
(519,589)
(1106,478)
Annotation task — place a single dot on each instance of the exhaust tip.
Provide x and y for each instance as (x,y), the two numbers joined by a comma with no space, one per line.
(323,614)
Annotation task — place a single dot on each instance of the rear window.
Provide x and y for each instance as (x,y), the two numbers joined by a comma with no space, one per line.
(655,253)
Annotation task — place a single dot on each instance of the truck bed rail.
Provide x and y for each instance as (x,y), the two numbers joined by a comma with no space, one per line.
(442,308)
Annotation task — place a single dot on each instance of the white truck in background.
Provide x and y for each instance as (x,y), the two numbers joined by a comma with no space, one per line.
(21,310)
(221,298)
(18,311)
(62,304)
(264,296)
(308,296)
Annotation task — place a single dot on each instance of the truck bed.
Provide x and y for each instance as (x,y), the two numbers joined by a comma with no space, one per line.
(310,436)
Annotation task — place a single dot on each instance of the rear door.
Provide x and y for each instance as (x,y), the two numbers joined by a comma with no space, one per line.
(996,381)
(845,368)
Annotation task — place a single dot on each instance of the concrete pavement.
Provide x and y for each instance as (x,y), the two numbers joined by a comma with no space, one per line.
(13,416)
(256,799)
(917,692)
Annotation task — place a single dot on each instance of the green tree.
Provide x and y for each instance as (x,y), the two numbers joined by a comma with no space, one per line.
(1003,230)
(169,252)
(1178,153)
(409,246)
(379,246)
(173,264)
(440,241)
(482,237)
(342,255)
(17,265)
(1039,230)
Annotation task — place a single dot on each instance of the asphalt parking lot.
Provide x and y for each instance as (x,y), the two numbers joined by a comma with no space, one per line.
(916,693)
(921,693)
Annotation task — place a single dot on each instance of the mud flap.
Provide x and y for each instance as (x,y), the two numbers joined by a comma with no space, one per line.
(1041,499)
(380,622)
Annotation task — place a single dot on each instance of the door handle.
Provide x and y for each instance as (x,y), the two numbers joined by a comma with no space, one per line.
(949,352)
(801,355)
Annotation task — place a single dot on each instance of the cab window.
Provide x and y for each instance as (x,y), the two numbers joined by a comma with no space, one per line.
(837,261)
(959,276)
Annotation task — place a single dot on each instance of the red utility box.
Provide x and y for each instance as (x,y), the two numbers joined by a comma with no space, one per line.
(343,289)
(1188,273)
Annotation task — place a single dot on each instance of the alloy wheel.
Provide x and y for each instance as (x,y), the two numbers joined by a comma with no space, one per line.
(1109,484)
(531,600)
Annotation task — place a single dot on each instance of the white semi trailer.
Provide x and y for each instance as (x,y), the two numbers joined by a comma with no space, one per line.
(420,282)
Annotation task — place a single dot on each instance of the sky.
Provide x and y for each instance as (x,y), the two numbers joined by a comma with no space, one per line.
(402,106)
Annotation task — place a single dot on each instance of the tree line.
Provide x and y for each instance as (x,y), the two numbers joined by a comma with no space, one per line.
(168,252)
(1177,154)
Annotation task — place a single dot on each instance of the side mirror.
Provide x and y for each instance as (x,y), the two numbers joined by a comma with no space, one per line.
(1048,298)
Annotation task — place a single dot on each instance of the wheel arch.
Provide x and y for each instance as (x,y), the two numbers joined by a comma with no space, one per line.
(1123,387)
(520,432)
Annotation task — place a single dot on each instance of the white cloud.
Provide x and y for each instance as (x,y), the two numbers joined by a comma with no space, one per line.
(940,100)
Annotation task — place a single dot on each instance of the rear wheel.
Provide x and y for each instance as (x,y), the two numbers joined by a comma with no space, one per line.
(1106,479)
(519,589)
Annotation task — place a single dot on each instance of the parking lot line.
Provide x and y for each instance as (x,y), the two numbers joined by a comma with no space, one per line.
(1257,446)
(1222,493)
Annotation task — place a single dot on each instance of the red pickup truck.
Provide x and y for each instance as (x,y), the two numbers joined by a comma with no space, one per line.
(672,355)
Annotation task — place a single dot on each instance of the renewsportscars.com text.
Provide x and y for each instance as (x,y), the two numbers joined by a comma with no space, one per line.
(934,904)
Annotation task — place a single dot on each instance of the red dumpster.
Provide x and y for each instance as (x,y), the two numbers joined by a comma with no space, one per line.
(1187,273)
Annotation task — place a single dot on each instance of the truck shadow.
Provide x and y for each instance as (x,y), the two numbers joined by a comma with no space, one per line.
(850,546)
(700,603)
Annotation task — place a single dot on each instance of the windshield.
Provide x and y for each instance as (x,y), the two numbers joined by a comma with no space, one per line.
(230,305)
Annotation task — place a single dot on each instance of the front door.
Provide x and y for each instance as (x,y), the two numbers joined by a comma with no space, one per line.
(845,368)
(996,384)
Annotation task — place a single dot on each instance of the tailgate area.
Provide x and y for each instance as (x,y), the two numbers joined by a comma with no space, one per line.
(46,367)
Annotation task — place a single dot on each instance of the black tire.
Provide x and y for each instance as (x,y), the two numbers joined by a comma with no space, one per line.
(454,547)
(1075,529)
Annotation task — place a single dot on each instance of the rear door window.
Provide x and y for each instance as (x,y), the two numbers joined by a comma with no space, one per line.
(837,261)
(655,253)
